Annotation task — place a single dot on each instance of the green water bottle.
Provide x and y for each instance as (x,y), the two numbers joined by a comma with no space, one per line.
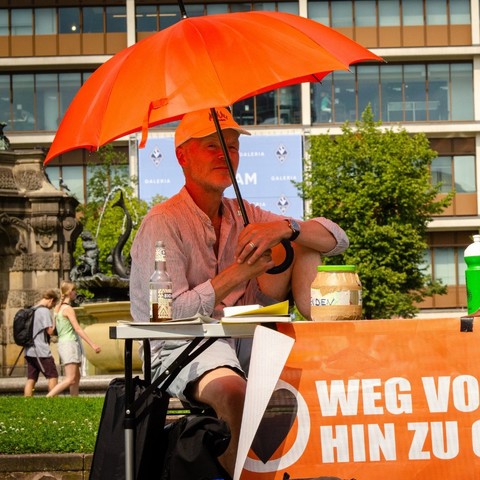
(472,275)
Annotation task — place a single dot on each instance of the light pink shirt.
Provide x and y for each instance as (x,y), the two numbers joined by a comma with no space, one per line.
(189,239)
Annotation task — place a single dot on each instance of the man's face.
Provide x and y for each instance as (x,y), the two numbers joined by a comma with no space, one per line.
(203,161)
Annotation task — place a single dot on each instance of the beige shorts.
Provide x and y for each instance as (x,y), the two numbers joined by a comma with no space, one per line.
(234,354)
(69,351)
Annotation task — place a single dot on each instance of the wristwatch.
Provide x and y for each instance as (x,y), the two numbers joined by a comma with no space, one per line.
(295,227)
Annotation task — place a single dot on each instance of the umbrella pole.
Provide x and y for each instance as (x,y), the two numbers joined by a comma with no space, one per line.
(286,244)
(228,161)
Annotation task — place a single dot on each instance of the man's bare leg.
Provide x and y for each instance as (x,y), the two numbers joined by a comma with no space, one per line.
(297,278)
(224,390)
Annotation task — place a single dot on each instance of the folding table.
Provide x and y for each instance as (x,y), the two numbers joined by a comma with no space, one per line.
(130,331)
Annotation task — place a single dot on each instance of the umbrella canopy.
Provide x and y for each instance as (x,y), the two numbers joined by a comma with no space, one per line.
(197,63)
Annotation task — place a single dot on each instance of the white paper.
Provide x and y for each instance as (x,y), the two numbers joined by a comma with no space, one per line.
(270,351)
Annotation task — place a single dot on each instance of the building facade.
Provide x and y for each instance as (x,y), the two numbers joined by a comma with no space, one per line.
(429,84)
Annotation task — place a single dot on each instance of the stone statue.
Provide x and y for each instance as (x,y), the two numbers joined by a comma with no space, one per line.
(87,265)
(4,141)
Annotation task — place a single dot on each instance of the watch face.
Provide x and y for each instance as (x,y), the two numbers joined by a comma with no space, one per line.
(295,229)
(295,226)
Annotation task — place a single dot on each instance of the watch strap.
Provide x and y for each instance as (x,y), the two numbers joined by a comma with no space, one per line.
(294,227)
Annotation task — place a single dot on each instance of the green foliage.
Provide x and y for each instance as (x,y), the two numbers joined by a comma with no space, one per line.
(375,183)
(100,217)
(49,425)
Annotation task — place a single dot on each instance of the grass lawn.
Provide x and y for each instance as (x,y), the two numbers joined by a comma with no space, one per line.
(49,425)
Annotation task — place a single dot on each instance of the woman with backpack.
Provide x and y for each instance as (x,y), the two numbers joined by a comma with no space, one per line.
(39,356)
(69,345)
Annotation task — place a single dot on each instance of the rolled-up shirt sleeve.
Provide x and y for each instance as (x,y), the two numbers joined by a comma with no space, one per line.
(339,234)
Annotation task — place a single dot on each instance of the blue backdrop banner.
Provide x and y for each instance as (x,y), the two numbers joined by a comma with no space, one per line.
(268,165)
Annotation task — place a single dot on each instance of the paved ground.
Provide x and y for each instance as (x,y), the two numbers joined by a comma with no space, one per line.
(89,385)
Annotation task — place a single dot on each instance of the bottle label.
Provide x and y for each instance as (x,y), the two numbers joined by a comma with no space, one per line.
(164,299)
(160,304)
(160,255)
(339,297)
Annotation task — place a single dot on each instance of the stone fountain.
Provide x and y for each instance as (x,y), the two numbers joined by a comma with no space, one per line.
(110,303)
(38,232)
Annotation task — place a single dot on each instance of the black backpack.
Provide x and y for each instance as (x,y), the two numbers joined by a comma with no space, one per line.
(23,327)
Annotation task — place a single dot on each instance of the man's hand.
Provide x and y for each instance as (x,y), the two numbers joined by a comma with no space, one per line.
(257,238)
(228,279)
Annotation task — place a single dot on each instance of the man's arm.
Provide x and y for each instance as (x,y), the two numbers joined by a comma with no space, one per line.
(319,234)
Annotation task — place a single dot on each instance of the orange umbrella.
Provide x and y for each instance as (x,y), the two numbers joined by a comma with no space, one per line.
(197,63)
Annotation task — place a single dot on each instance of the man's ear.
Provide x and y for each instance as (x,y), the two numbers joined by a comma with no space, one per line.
(180,153)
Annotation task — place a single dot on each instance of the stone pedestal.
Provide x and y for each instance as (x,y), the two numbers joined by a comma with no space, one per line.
(38,229)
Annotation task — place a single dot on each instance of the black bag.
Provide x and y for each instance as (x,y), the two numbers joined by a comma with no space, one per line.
(194,443)
(109,454)
(148,413)
(23,327)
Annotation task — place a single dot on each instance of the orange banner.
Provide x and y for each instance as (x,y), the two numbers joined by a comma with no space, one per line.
(396,399)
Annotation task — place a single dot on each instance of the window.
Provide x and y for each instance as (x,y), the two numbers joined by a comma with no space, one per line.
(23,102)
(214,9)
(464,169)
(318,11)
(399,93)
(266,7)
(22,23)
(146,18)
(368,92)
(389,13)
(412,13)
(441,172)
(342,15)
(288,7)
(364,16)
(4,22)
(436,12)
(271,108)
(169,15)
(415,92)
(73,178)
(344,91)
(460,12)
(116,19)
(69,20)
(5,100)
(321,101)
(438,91)
(392,92)
(93,20)
(47,101)
(462,91)
(455,173)
(45,21)
(199,10)
(444,266)
(461,266)
(69,83)
(240,7)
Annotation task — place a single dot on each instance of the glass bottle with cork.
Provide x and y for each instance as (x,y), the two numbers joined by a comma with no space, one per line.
(160,287)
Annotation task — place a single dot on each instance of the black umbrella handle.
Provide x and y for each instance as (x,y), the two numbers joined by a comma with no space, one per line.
(286,243)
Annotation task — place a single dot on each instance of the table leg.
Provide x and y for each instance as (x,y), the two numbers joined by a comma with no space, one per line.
(129,414)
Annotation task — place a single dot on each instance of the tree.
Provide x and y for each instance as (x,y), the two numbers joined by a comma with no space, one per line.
(375,183)
(106,222)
